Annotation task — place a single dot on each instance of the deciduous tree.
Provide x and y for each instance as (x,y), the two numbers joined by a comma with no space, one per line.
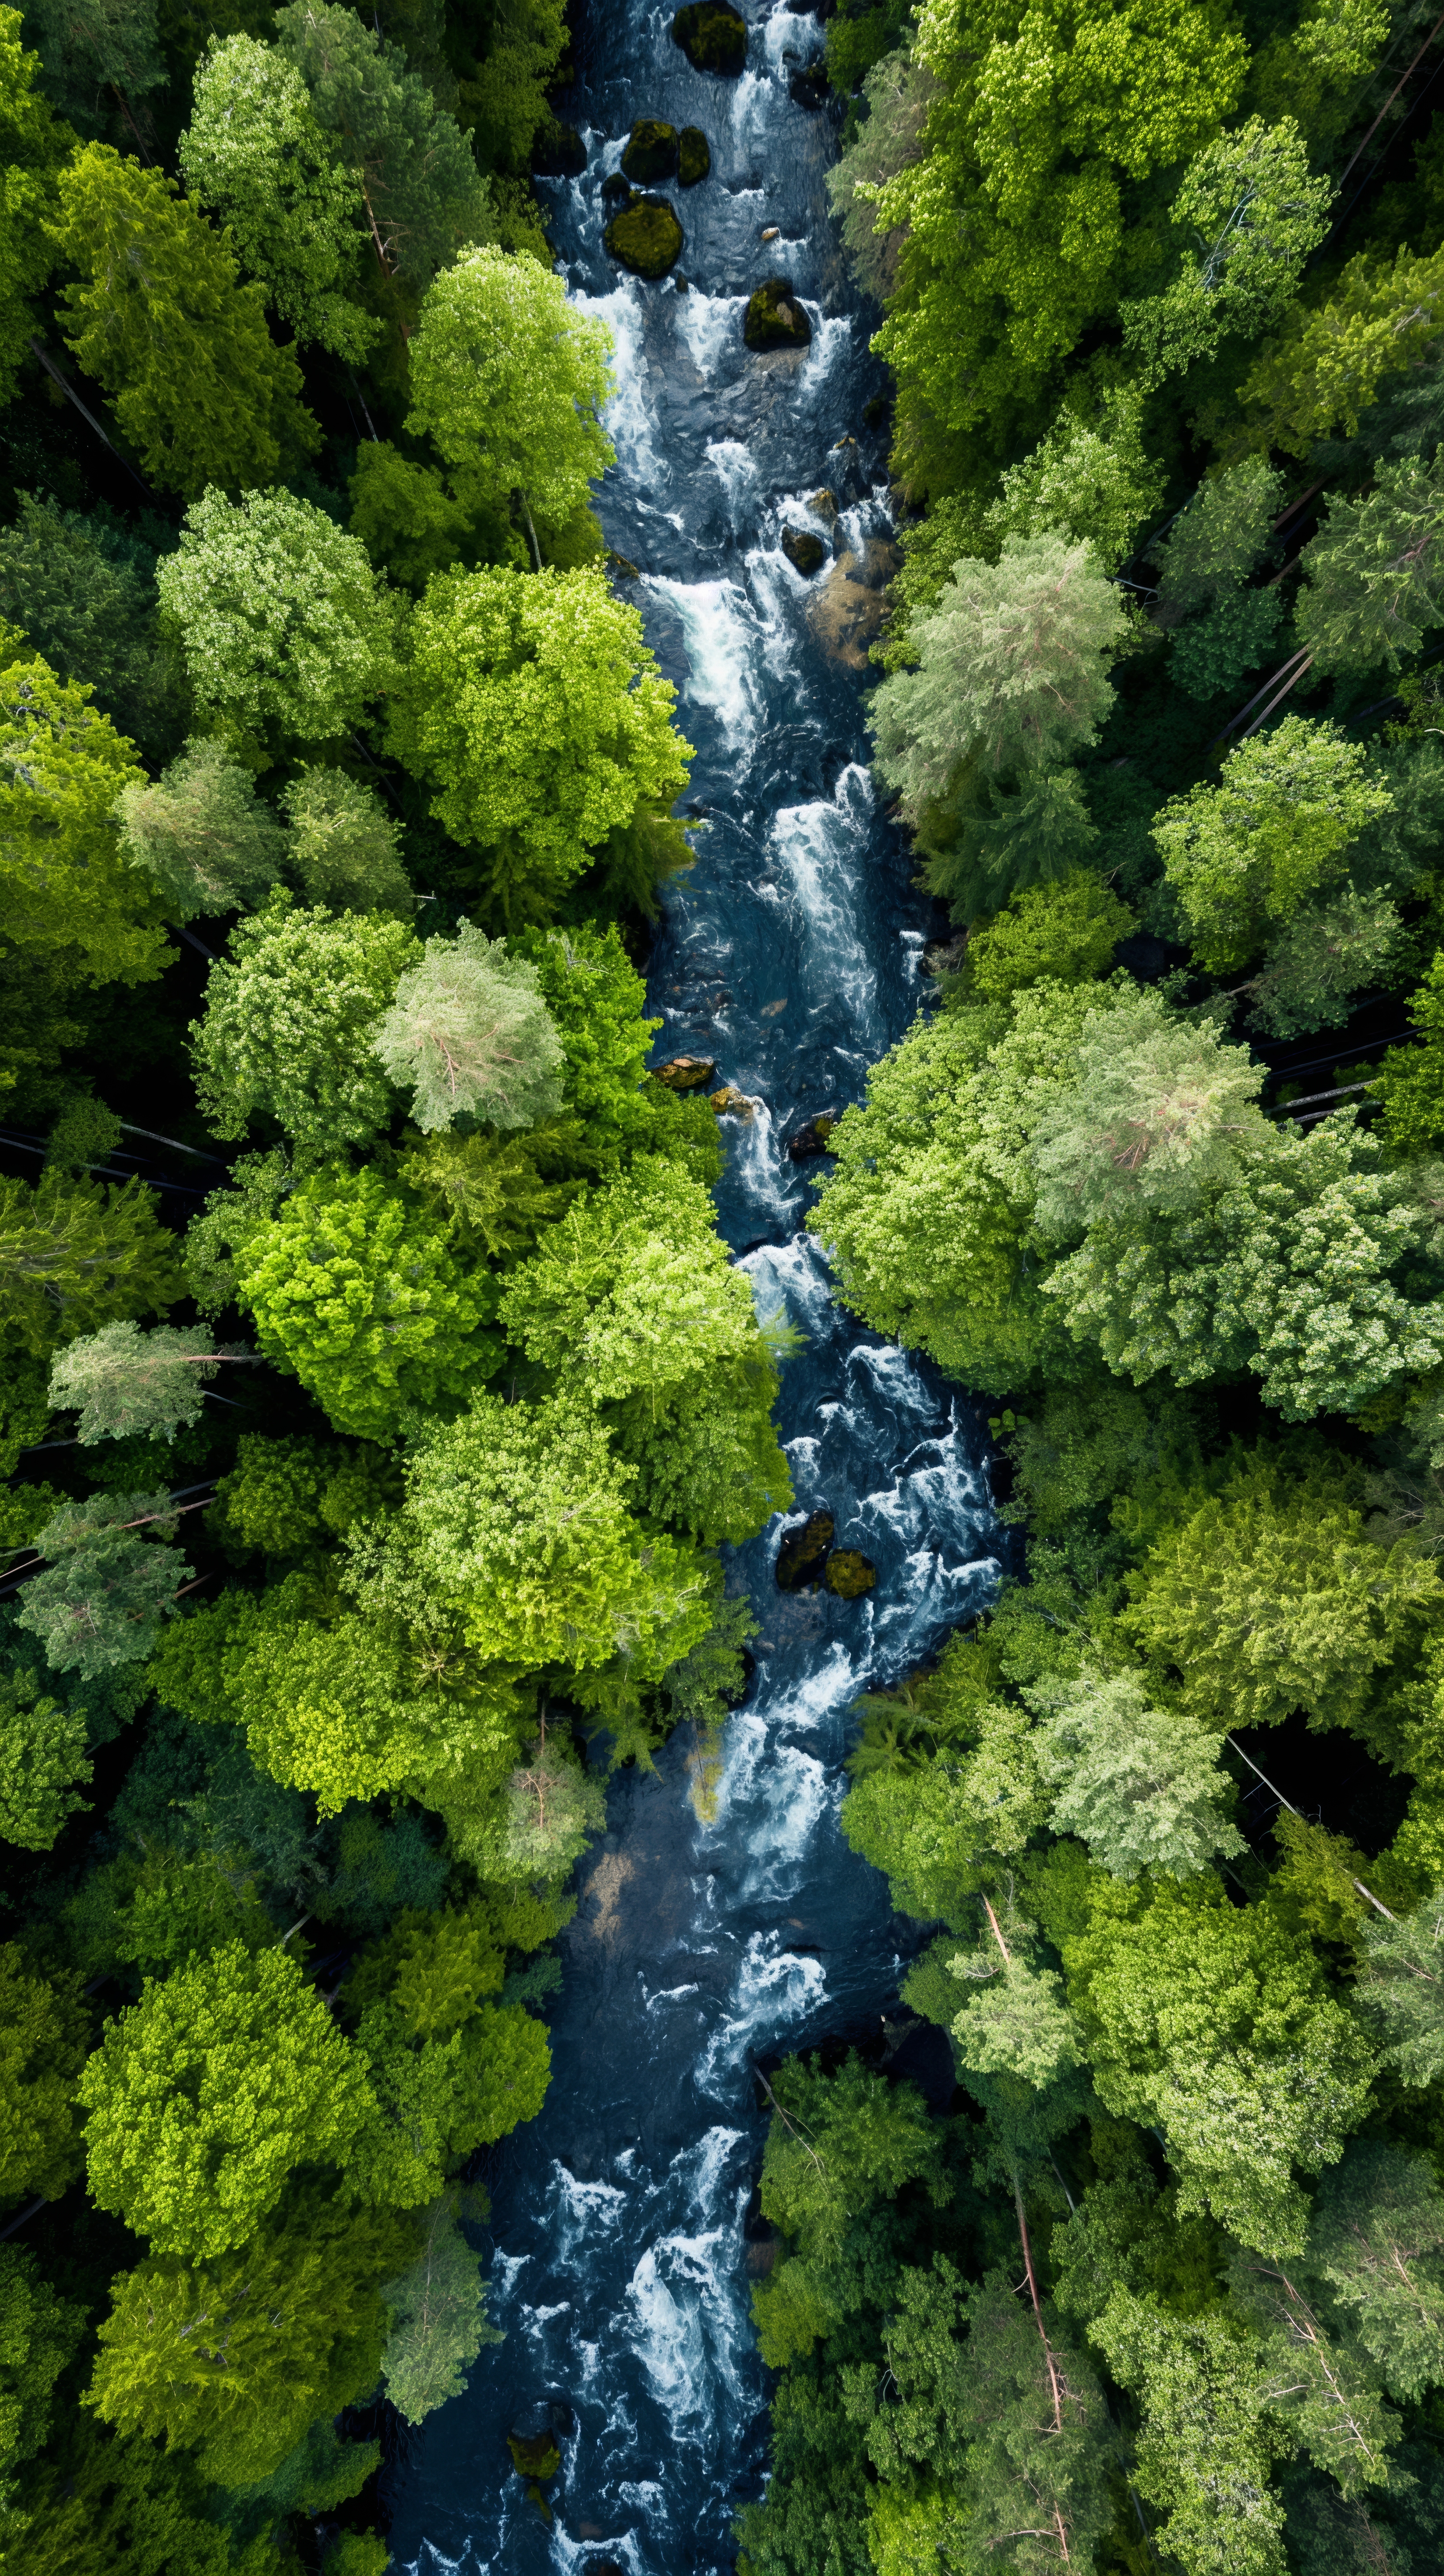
(469,1034)
(67,883)
(291,1021)
(201,832)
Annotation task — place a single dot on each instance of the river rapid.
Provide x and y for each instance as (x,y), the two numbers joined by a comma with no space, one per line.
(718,1930)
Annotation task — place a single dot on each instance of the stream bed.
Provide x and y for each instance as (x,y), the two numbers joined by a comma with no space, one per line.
(719,1929)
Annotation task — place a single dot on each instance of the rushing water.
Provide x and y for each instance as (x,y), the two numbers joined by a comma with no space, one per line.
(790,953)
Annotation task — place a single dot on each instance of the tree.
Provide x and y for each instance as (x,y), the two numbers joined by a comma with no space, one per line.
(1092,484)
(1249,202)
(410,160)
(1216,2025)
(1323,2390)
(43,1758)
(1374,584)
(83,595)
(438,2318)
(469,1034)
(1017,2022)
(354,1287)
(409,524)
(159,318)
(122,1381)
(105,1591)
(76,1253)
(1401,1989)
(65,878)
(204,2095)
(1159,1114)
(438,2100)
(343,844)
(1139,1784)
(33,147)
(1011,670)
(1327,955)
(553,1810)
(237,2354)
(1410,1080)
(254,154)
(1376,2244)
(1207,2445)
(38,2337)
(44,2035)
(899,92)
(201,832)
(1062,933)
(1328,363)
(537,716)
(285,628)
(92,45)
(1216,540)
(510,381)
(1244,855)
(1269,1597)
(290,1024)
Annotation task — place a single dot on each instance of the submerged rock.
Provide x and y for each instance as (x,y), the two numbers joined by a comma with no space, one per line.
(848,1573)
(801,1556)
(686,1072)
(846,610)
(535,2455)
(811,1140)
(644,236)
(712,36)
(652,150)
(694,156)
(774,319)
(805,552)
(559,153)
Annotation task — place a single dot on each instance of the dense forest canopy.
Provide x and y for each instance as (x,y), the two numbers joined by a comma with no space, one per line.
(378,1397)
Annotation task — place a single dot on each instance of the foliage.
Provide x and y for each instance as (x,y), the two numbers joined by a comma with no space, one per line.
(42,1759)
(1063,933)
(1372,591)
(122,1381)
(510,381)
(438,2319)
(343,844)
(1398,1989)
(201,831)
(1099,485)
(1207,2445)
(1139,1784)
(64,875)
(1410,1080)
(1249,203)
(82,592)
(44,2036)
(469,1035)
(1158,1115)
(35,146)
(105,1590)
(1376,2243)
(291,1022)
(1326,366)
(77,1253)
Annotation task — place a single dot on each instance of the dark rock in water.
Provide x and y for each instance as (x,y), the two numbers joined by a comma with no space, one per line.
(804,551)
(809,88)
(651,151)
(875,411)
(774,320)
(811,1140)
(644,236)
(712,36)
(849,1574)
(686,1072)
(559,153)
(694,156)
(729,1102)
(800,1557)
(680,284)
(614,185)
(535,2455)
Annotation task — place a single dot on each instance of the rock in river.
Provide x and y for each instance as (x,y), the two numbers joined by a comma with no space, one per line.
(848,1573)
(652,150)
(801,1556)
(686,1072)
(713,37)
(805,552)
(644,236)
(774,319)
(694,156)
(811,1139)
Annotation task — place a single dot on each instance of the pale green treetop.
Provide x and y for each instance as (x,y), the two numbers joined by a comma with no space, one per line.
(468,1032)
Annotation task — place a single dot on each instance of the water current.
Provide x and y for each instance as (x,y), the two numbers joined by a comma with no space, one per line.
(791,952)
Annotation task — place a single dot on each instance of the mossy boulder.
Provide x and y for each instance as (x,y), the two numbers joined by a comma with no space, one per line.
(811,1140)
(712,36)
(803,1553)
(694,156)
(805,552)
(645,236)
(651,151)
(615,186)
(534,2455)
(774,319)
(849,1573)
(686,1072)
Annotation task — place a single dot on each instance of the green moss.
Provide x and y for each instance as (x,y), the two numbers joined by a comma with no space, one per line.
(651,151)
(712,36)
(645,236)
(774,319)
(694,156)
(803,550)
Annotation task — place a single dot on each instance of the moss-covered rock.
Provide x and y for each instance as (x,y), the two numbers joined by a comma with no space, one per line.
(712,36)
(774,319)
(645,236)
(651,151)
(811,1140)
(615,186)
(848,1573)
(805,552)
(694,156)
(534,2455)
(686,1072)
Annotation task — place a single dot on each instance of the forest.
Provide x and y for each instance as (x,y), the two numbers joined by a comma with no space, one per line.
(380,1400)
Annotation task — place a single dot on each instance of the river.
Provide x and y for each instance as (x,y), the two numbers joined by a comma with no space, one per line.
(712,1931)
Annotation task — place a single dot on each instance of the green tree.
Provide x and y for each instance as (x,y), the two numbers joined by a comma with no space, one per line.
(1250,205)
(159,318)
(1329,953)
(122,1381)
(899,91)
(1376,2242)
(33,147)
(76,1253)
(1217,2025)
(105,1589)
(44,2036)
(204,2095)
(510,382)
(343,844)
(469,1034)
(254,154)
(1158,1115)
(1373,584)
(355,1288)
(1093,484)
(285,629)
(438,2100)
(291,1021)
(236,2354)
(121,2507)
(438,2318)
(1216,540)
(1062,933)
(1323,2390)
(66,883)
(1401,1989)
(1244,855)
(1208,2444)
(1139,1784)
(1410,1080)
(201,832)
(81,589)
(43,1756)
(535,713)
(38,2337)
(552,1811)
(89,46)
(409,524)
(410,160)
(1329,362)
